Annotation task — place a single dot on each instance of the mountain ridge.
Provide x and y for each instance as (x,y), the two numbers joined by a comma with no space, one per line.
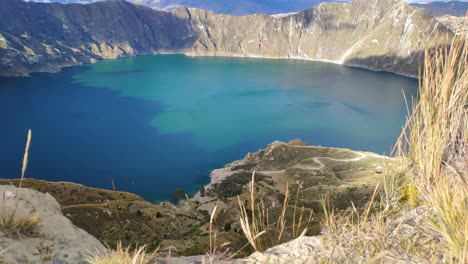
(238,7)
(45,37)
(438,8)
(245,7)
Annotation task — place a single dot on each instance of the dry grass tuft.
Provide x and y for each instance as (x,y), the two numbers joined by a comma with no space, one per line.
(123,256)
(261,231)
(12,221)
(434,142)
(217,252)
(450,217)
(423,214)
(18,224)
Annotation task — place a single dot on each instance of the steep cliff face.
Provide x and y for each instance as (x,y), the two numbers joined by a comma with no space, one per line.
(245,7)
(440,8)
(381,35)
(40,37)
(458,25)
(238,7)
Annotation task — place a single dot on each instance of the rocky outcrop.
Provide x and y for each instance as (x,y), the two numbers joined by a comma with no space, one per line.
(57,239)
(458,25)
(386,35)
(301,250)
(442,8)
(344,175)
(45,37)
(238,7)
(246,7)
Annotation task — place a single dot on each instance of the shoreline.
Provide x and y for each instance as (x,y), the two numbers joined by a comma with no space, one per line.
(218,175)
(336,62)
(59,68)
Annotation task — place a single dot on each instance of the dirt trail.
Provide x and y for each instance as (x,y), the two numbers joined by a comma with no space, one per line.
(317,160)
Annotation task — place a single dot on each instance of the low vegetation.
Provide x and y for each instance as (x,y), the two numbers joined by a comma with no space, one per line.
(179,195)
(123,255)
(233,185)
(16,223)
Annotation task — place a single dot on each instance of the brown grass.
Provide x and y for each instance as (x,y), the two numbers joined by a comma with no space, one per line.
(123,256)
(261,231)
(434,142)
(17,224)
(217,252)
(423,213)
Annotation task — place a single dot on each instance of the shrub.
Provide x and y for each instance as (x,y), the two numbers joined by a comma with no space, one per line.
(234,185)
(178,196)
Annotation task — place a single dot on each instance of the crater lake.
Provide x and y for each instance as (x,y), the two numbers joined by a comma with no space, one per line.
(161,122)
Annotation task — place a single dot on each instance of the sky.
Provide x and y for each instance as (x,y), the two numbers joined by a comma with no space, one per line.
(408,1)
(428,1)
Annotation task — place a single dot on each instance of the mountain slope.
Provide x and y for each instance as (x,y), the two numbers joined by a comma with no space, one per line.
(453,8)
(245,7)
(35,37)
(381,35)
(458,25)
(237,7)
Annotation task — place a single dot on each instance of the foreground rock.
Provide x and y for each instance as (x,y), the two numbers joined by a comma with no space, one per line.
(112,217)
(57,240)
(299,251)
(303,250)
(383,35)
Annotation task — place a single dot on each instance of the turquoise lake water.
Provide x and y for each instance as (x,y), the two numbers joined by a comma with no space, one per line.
(157,123)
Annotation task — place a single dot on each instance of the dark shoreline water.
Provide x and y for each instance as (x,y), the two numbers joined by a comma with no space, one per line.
(156,123)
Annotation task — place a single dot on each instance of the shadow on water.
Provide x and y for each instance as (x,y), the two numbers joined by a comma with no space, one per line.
(91,136)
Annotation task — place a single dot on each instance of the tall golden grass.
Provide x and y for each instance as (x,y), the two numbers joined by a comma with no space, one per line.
(434,143)
(261,231)
(12,222)
(217,252)
(430,184)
